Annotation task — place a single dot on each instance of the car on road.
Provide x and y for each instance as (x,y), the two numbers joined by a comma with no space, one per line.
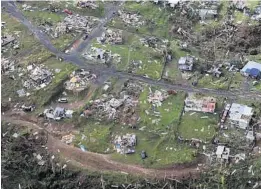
(67,11)
(62,100)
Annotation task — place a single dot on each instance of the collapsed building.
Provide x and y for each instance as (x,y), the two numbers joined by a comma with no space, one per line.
(102,55)
(71,23)
(153,42)
(125,144)
(79,80)
(111,37)
(7,65)
(39,77)
(157,97)
(87,4)
(58,113)
(6,39)
(131,19)
(121,108)
(203,104)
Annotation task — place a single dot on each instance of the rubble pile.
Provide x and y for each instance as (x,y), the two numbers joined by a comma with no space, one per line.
(68,139)
(121,108)
(125,144)
(28,7)
(7,66)
(111,108)
(153,42)
(57,114)
(131,19)
(111,37)
(71,23)
(157,97)
(101,55)
(79,80)
(9,42)
(39,77)
(79,23)
(87,4)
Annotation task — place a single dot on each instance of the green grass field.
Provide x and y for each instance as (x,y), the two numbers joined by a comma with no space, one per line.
(158,26)
(132,49)
(194,126)
(25,38)
(170,111)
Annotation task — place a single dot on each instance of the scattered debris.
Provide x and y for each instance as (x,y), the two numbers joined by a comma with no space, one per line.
(68,139)
(157,97)
(125,144)
(131,19)
(79,80)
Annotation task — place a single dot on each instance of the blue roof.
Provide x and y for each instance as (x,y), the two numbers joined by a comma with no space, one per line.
(251,65)
(254,72)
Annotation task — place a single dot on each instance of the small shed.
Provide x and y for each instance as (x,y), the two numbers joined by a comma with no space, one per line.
(219,152)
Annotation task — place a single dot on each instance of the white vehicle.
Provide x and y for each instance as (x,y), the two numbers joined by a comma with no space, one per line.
(62,100)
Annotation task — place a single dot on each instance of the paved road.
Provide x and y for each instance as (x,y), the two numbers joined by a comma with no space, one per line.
(97,32)
(107,72)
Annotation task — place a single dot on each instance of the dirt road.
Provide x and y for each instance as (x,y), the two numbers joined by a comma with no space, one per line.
(104,163)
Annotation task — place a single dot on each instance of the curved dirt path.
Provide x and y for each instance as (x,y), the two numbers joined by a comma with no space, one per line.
(102,162)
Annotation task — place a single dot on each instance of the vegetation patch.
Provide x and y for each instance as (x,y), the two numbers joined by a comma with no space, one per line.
(13,27)
(198,125)
(95,137)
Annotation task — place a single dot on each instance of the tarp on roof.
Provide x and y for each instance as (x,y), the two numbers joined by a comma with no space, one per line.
(254,72)
(250,65)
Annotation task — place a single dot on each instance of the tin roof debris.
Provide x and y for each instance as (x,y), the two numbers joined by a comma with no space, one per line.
(58,113)
(6,39)
(131,19)
(125,144)
(79,80)
(157,97)
(7,66)
(111,37)
(87,4)
(68,139)
(71,23)
(204,104)
(39,77)
(21,93)
(120,107)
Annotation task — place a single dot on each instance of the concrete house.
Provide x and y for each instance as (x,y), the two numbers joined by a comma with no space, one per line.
(186,63)
(222,152)
(204,104)
(252,69)
(240,115)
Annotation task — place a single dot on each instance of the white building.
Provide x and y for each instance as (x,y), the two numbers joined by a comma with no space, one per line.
(222,152)
(240,115)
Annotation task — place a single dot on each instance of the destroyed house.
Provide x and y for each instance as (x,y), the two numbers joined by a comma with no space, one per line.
(252,69)
(59,112)
(240,115)
(186,63)
(6,39)
(205,104)
(207,14)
